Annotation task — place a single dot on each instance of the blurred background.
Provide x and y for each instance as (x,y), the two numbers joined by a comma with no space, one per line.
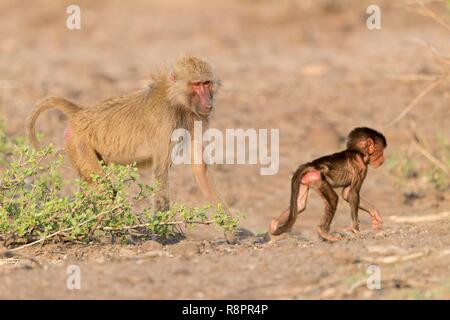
(310,68)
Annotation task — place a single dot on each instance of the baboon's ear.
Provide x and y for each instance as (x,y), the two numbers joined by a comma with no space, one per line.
(370,146)
(172,77)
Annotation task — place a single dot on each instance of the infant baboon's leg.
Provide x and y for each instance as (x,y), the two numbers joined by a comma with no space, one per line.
(330,198)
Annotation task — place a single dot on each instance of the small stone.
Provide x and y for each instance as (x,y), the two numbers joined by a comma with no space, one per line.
(70,256)
(328,293)
(133,239)
(105,240)
(199,295)
(126,253)
(155,254)
(242,233)
(185,248)
(151,245)
(100,259)
(380,235)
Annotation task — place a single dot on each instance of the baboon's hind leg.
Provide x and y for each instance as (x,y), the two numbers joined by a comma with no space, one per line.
(84,159)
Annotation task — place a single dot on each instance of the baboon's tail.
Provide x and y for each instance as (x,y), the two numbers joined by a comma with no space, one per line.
(295,188)
(62,104)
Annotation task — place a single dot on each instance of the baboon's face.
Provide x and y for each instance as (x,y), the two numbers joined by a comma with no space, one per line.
(201,99)
(375,151)
(376,157)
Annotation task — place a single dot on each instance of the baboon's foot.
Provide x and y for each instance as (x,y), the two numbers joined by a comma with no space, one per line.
(352,229)
(377,222)
(275,229)
(325,235)
(281,236)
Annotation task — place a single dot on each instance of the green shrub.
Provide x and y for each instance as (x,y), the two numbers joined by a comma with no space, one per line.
(33,208)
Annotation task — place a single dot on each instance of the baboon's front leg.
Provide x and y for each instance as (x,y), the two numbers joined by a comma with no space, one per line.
(162,200)
(205,182)
(366,206)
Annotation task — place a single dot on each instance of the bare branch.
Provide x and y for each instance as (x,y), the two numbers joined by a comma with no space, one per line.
(414,102)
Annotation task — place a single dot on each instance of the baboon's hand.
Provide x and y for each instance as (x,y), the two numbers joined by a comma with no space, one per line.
(377,221)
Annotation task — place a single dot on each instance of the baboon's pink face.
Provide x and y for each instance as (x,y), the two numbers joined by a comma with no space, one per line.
(376,157)
(202,97)
(373,150)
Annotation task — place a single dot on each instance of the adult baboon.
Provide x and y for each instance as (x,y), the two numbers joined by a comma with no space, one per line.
(137,127)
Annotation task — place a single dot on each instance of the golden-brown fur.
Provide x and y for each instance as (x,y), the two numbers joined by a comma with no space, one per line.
(136,127)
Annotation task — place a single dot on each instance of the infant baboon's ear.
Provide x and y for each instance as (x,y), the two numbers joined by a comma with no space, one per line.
(370,146)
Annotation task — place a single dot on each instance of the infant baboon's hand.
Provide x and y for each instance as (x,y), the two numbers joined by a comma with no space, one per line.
(377,221)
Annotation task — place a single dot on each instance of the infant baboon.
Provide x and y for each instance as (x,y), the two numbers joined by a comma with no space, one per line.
(346,169)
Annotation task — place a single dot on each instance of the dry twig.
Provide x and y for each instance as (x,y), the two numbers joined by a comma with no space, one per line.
(414,102)
(420,218)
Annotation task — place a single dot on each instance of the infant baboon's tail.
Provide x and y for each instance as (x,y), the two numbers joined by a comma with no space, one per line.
(69,108)
(295,188)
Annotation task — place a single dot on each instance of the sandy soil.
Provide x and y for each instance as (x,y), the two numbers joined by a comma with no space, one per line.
(309,68)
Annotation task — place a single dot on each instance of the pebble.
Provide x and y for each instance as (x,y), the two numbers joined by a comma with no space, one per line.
(185,248)
(126,253)
(151,245)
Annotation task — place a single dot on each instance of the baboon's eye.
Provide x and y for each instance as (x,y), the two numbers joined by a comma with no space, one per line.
(196,83)
(207,83)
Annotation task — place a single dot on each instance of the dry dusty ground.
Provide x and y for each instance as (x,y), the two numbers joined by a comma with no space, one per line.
(311,69)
